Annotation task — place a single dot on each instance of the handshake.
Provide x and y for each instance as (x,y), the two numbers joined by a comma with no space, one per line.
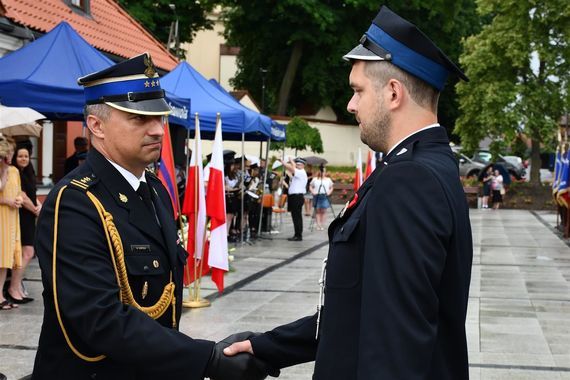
(241,365)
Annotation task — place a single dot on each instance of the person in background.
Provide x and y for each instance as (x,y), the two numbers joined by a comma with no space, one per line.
(81,145)
(321,188)
(232,198)
(487,178)
(498,189)
(28,213)
(296,194)
(10,202)
(308,196)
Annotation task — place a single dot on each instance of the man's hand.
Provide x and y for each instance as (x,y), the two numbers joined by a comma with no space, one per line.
(241,365)
(236,348)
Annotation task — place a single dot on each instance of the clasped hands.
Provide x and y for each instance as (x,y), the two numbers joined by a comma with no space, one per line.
(237,362)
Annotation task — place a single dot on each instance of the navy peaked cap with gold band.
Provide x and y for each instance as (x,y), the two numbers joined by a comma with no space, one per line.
(391,38)
(132,86)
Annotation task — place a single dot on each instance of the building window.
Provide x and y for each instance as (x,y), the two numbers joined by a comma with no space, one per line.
(82,5)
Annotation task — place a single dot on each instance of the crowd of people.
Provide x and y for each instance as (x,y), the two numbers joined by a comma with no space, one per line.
(19,208)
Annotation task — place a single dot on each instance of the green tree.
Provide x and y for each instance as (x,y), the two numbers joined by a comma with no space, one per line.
(519,66)
(300,136)
(301,42)
(157,16)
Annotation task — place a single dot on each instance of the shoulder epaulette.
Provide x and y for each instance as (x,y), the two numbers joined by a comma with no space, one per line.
(83,183)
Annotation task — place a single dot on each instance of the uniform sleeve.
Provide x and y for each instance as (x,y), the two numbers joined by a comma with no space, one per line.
(89,299)
(408,227)
(289,344)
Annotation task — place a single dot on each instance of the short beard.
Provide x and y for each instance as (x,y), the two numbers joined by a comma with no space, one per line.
(376,133)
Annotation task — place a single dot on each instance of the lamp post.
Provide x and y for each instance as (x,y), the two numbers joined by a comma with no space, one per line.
(173,36)
(263,72)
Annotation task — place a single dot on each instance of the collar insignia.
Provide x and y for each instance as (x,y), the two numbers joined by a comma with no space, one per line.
(404,150)
(123,198)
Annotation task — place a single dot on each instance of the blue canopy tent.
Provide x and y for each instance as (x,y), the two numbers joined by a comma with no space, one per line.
(43,75)
(208,101)
(277,131)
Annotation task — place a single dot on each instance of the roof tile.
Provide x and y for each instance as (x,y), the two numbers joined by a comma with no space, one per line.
(110,28)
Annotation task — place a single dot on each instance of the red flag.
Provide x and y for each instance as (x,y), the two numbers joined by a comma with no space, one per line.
(194,207)
(166,171)
(370,164)
(358,175)
(216,210)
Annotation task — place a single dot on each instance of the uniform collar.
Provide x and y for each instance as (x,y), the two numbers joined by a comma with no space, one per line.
(411,134)
(132,179)
(425,134)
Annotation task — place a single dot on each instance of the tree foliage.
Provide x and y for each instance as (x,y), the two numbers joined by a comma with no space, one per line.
(272,34)
(157,16)
(519,66)
(301,136)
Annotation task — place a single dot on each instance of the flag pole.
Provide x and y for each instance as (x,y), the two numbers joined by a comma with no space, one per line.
(195,301)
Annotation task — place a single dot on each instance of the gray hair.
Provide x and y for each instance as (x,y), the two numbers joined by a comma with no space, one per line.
(421,92)
(102,111)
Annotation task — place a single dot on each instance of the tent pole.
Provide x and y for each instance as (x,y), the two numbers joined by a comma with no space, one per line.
(263,186)
(242,184)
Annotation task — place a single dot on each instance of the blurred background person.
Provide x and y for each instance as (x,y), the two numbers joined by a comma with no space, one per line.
(498,189)
(10,202)
(81,145)
(487,177)
(232,199)
(321,188)
(308,196)
(28,213)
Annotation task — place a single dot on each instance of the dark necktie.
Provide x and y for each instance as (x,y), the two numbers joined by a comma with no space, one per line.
(144,192)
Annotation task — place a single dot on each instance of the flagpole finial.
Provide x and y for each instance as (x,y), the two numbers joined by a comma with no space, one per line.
(218,116)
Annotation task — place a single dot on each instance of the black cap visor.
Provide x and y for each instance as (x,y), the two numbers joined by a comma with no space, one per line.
(150,107)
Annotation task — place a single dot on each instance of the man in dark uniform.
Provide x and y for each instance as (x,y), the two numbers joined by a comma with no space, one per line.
(108,249)
(399,262)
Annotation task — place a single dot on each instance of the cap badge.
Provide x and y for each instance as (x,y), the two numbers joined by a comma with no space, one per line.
(150,71)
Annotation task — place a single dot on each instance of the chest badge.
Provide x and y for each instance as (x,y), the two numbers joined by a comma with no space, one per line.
(123,198)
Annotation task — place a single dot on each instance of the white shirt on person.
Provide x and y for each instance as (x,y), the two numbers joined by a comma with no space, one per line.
(321,185)
(298,183)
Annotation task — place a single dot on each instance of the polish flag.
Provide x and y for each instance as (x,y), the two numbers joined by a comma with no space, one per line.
(358,175)
(166,171)
(370,164)
(194,208)
(216,211)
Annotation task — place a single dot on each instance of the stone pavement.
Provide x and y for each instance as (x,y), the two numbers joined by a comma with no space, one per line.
(518,322)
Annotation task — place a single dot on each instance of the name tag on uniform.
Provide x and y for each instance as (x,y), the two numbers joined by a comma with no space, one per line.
(140,248)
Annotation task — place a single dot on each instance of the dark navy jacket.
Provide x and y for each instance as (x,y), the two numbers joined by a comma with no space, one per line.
(398,274)
(136,346)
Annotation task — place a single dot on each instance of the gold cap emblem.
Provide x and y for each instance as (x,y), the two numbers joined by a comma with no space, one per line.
(150,71)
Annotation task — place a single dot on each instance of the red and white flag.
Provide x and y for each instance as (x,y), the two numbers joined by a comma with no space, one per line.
(358,175)
(370,164)
(194,207)
(216,210)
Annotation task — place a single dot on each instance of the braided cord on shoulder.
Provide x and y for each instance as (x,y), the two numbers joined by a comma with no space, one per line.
(116,251)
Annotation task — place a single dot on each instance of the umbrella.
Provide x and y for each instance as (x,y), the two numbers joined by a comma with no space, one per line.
(10,116)
(314,160)
(28,129)
(502,170)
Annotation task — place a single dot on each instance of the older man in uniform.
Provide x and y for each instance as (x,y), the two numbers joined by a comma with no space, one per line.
(399,263)
(108,249)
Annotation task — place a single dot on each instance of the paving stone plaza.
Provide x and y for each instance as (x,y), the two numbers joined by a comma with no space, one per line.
(518,323)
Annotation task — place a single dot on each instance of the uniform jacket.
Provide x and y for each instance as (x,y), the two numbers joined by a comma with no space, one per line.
(397,281)
(97,322)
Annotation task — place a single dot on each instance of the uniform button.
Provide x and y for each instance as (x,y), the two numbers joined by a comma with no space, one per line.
(146,268)
(155,263)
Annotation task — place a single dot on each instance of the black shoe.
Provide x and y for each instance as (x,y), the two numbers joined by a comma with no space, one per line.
(295,238)
(18,301)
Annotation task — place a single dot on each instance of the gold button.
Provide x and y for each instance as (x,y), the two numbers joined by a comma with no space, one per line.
(155,263)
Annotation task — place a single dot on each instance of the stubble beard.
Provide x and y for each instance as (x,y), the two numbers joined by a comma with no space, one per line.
(375,133)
